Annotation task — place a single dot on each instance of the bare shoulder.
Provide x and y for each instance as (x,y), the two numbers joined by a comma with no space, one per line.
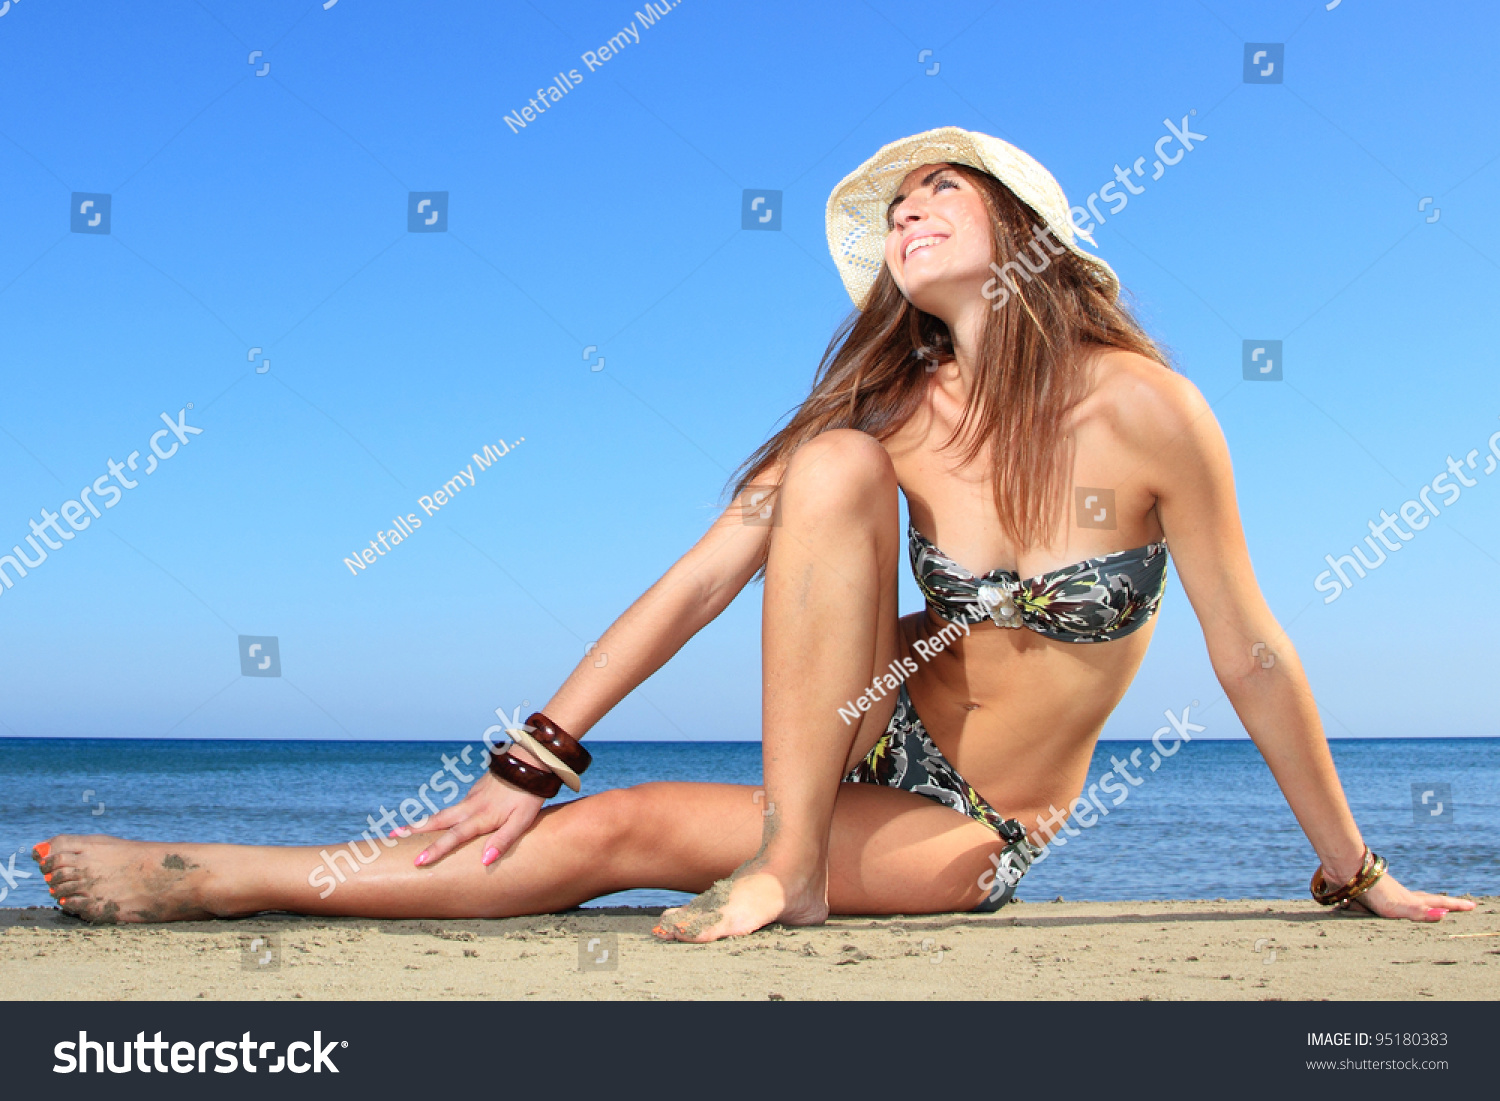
(1145,404)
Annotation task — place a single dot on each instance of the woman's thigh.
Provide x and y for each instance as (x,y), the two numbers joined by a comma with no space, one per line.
(896,852)
(891,851)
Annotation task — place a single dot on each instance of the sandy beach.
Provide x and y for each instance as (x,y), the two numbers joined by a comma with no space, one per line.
(1246,949)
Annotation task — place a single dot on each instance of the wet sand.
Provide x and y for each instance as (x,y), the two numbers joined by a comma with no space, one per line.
(1248,949)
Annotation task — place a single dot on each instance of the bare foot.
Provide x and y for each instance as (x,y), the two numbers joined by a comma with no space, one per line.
(751,898)
(104,879)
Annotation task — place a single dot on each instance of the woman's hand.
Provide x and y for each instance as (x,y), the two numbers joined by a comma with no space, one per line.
(1389,899)
(492,807)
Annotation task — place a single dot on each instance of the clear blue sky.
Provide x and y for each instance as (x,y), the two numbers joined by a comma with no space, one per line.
(271,211)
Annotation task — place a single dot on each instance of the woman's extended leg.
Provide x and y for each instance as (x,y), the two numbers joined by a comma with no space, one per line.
(890,852)
(829,626)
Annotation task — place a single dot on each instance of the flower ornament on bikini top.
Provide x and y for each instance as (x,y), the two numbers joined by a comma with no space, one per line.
(999,603)
(1095,600)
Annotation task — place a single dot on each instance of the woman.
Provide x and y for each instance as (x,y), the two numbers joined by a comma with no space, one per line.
(991,376)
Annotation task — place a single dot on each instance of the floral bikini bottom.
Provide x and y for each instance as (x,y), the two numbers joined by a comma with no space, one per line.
(906,757)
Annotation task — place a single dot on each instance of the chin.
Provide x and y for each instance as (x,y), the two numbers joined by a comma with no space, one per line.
(934,298)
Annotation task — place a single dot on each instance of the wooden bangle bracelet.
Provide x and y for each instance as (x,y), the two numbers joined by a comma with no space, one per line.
(517,773)
(563,745)
(528,742)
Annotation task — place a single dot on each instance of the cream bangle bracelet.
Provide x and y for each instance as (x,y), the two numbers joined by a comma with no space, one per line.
(522,737)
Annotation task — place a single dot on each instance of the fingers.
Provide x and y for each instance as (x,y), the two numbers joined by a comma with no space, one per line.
(1416,906)
(507,835)
(449,840)
(1425,907)
(442,820)
(1412,908)
(1435,907)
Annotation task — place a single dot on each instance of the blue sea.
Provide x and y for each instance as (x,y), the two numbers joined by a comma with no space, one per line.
(1209,823)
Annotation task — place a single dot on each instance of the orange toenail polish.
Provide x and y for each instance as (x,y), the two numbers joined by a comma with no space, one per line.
(42,850)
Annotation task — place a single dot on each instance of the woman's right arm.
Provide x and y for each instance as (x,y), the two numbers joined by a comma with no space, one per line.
(699,586)
(688,597)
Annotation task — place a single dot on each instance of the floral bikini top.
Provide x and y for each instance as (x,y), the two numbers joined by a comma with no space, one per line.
(1095,600)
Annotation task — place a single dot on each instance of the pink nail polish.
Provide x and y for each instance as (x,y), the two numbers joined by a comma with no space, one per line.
(491,855)
(1435,912)
(421,860)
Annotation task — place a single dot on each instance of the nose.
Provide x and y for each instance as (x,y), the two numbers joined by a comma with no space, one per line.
(911,209)
(908,214)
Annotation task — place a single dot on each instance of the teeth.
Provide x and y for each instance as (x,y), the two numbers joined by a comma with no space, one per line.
(920,242)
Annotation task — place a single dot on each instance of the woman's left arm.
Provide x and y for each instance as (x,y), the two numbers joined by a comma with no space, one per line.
(1186,463)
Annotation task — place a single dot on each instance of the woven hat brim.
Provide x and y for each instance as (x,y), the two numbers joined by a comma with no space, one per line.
(855,217)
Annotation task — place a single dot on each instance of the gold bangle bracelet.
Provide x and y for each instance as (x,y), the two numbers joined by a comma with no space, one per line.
(1366,881)
(1371,868)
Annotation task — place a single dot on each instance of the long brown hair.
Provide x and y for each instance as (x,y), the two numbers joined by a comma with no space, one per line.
(1030,370)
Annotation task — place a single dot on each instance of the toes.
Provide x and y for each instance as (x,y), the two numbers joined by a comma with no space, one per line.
(695,928)
(60,848)
(65,882)
(63,885)
(80,906)
(94,910)
(667,930)
(73,897)
(57,862)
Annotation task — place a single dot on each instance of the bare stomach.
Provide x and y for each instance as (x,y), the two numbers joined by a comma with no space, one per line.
(1016,713)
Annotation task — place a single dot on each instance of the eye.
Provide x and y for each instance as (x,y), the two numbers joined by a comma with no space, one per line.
(890,222)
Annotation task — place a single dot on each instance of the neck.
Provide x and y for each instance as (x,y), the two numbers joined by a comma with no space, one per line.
(965,326)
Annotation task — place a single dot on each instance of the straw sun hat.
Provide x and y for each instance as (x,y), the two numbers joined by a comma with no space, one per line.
(857,208)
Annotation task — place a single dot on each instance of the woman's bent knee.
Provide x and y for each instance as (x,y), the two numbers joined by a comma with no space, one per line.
(602,822)
(842,467)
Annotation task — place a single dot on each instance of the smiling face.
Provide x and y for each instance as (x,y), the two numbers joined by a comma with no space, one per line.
(939,245)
